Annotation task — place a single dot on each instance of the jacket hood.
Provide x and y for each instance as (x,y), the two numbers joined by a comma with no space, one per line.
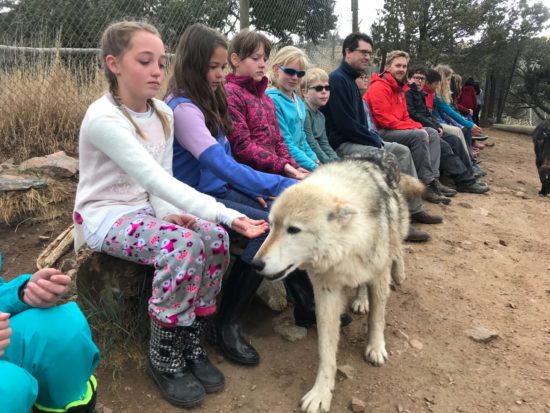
(390,80)
(248,83)
(274,91)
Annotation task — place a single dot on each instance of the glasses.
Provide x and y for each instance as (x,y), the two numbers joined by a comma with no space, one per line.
(364,52)
(320,88)
(292,72)
(419,78)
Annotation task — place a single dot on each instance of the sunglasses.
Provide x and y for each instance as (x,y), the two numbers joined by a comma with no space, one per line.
(320,88)
(292,72)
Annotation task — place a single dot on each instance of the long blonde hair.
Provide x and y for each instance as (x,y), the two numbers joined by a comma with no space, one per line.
(285,56)
(443,90)
(115,41)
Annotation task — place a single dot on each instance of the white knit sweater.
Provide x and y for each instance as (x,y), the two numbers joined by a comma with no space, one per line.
(119,171)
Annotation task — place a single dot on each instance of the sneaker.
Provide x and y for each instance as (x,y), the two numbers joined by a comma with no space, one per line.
(416,235)
(423,217)
(472,188)
(480,138)
(478,172)
(478,145)
(445,190)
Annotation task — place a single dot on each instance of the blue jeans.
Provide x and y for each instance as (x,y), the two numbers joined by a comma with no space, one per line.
(252,209)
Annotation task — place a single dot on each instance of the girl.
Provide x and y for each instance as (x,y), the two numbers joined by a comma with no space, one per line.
(255,139)
(288,67)
(203,160)
(316,92)
(128,205)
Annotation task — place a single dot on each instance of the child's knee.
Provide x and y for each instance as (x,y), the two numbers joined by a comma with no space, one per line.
(18,389)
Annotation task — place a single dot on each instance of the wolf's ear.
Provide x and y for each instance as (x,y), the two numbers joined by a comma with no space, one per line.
(342,212)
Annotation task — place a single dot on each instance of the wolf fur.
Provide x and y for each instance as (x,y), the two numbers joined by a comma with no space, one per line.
(541,140)
(344,225)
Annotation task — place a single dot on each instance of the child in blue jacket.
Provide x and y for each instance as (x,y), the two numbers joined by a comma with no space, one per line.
(47,355)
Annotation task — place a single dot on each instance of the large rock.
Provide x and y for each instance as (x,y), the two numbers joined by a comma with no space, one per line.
(56,165)
(273,294)
(19,183)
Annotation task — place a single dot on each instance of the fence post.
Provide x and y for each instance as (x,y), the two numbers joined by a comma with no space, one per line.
(244,13)
(355,16)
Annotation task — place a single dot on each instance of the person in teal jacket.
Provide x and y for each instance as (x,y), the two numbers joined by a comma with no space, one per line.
(288,67)
(47,355)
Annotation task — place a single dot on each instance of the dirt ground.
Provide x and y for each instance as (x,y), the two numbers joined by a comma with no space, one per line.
(487,265)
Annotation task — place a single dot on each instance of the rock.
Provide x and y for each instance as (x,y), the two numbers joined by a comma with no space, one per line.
(512,305)
(465,205)
(20,183)
(416,344)
(521,182)
(253,387)
(520,194)
(503,242)
(346,371)
(401,334)
(399,408)
(8,164)
(484,212)
(481,334)
(285,327)
(56,165)
(107,409)
(357,405)
(273,294)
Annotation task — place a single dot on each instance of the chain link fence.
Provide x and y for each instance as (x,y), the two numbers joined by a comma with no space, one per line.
(48,54)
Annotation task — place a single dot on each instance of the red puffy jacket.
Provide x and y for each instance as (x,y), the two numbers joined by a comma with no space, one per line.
(467,97)
(387,103)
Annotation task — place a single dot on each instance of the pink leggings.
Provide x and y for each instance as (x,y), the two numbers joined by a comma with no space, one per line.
(189,263)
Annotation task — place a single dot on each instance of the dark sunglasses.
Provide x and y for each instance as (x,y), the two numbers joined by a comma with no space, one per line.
(291,72)
(320,88)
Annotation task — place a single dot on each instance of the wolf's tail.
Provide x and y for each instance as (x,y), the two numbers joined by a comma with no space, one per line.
(410,186)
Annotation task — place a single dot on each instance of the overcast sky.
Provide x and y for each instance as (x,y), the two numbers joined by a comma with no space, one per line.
(368,13)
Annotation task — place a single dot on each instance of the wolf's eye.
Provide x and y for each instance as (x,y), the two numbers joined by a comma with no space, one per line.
(293,230)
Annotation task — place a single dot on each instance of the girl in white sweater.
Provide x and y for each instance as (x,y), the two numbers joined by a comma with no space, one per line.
(128,205)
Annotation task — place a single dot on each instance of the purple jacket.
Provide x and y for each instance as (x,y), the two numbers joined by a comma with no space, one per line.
(256,139)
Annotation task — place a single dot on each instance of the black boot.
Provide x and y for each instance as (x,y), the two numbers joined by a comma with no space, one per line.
(300,292)
(168,368)
(196,358)
(237,292)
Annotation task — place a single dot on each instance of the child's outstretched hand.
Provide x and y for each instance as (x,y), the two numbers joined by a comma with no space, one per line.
(5,332)
(250,228)
(45,287)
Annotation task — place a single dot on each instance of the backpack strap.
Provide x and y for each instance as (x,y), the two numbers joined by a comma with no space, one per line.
(176,100)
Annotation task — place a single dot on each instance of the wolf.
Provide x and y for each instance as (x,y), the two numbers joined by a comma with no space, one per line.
(541,140)
(344,225)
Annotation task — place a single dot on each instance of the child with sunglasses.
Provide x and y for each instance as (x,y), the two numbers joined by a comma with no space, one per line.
(287,69)
(316,92)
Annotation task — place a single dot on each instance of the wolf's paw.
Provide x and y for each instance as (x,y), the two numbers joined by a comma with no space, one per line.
(316,401)
(360,306)
(376,354)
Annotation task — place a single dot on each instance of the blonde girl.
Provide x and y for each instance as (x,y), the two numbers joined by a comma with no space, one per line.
(287,69)
(129,206)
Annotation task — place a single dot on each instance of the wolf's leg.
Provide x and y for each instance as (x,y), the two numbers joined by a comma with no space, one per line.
(329,303)
(361,303)
(378,294)
(398,269)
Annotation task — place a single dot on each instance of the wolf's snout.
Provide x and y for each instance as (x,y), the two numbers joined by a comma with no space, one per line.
(258,264)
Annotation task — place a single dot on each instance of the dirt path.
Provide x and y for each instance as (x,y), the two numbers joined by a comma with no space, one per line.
(488,265)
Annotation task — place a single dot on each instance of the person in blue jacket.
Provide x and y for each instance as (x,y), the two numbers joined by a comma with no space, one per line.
(47,355)
(288,67)
(202,159)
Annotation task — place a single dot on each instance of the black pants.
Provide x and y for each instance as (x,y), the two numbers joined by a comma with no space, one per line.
(455,161)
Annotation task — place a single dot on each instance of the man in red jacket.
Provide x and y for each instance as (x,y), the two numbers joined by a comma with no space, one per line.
(386,99)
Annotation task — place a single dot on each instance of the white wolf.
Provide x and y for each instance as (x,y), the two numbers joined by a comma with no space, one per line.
(344,225)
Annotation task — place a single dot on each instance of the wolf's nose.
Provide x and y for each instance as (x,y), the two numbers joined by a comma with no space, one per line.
(258,264)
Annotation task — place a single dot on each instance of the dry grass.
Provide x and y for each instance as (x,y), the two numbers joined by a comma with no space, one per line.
(18,205)
(42,104)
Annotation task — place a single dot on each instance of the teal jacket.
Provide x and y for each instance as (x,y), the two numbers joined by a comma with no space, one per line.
(9,294)
(443,107)
(292,115)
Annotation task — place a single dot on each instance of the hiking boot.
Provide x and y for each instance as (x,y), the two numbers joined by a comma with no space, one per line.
(423,217)
(444,190)
(168,368)
(433,195)
(211,378)
(473,188)
(416,235)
